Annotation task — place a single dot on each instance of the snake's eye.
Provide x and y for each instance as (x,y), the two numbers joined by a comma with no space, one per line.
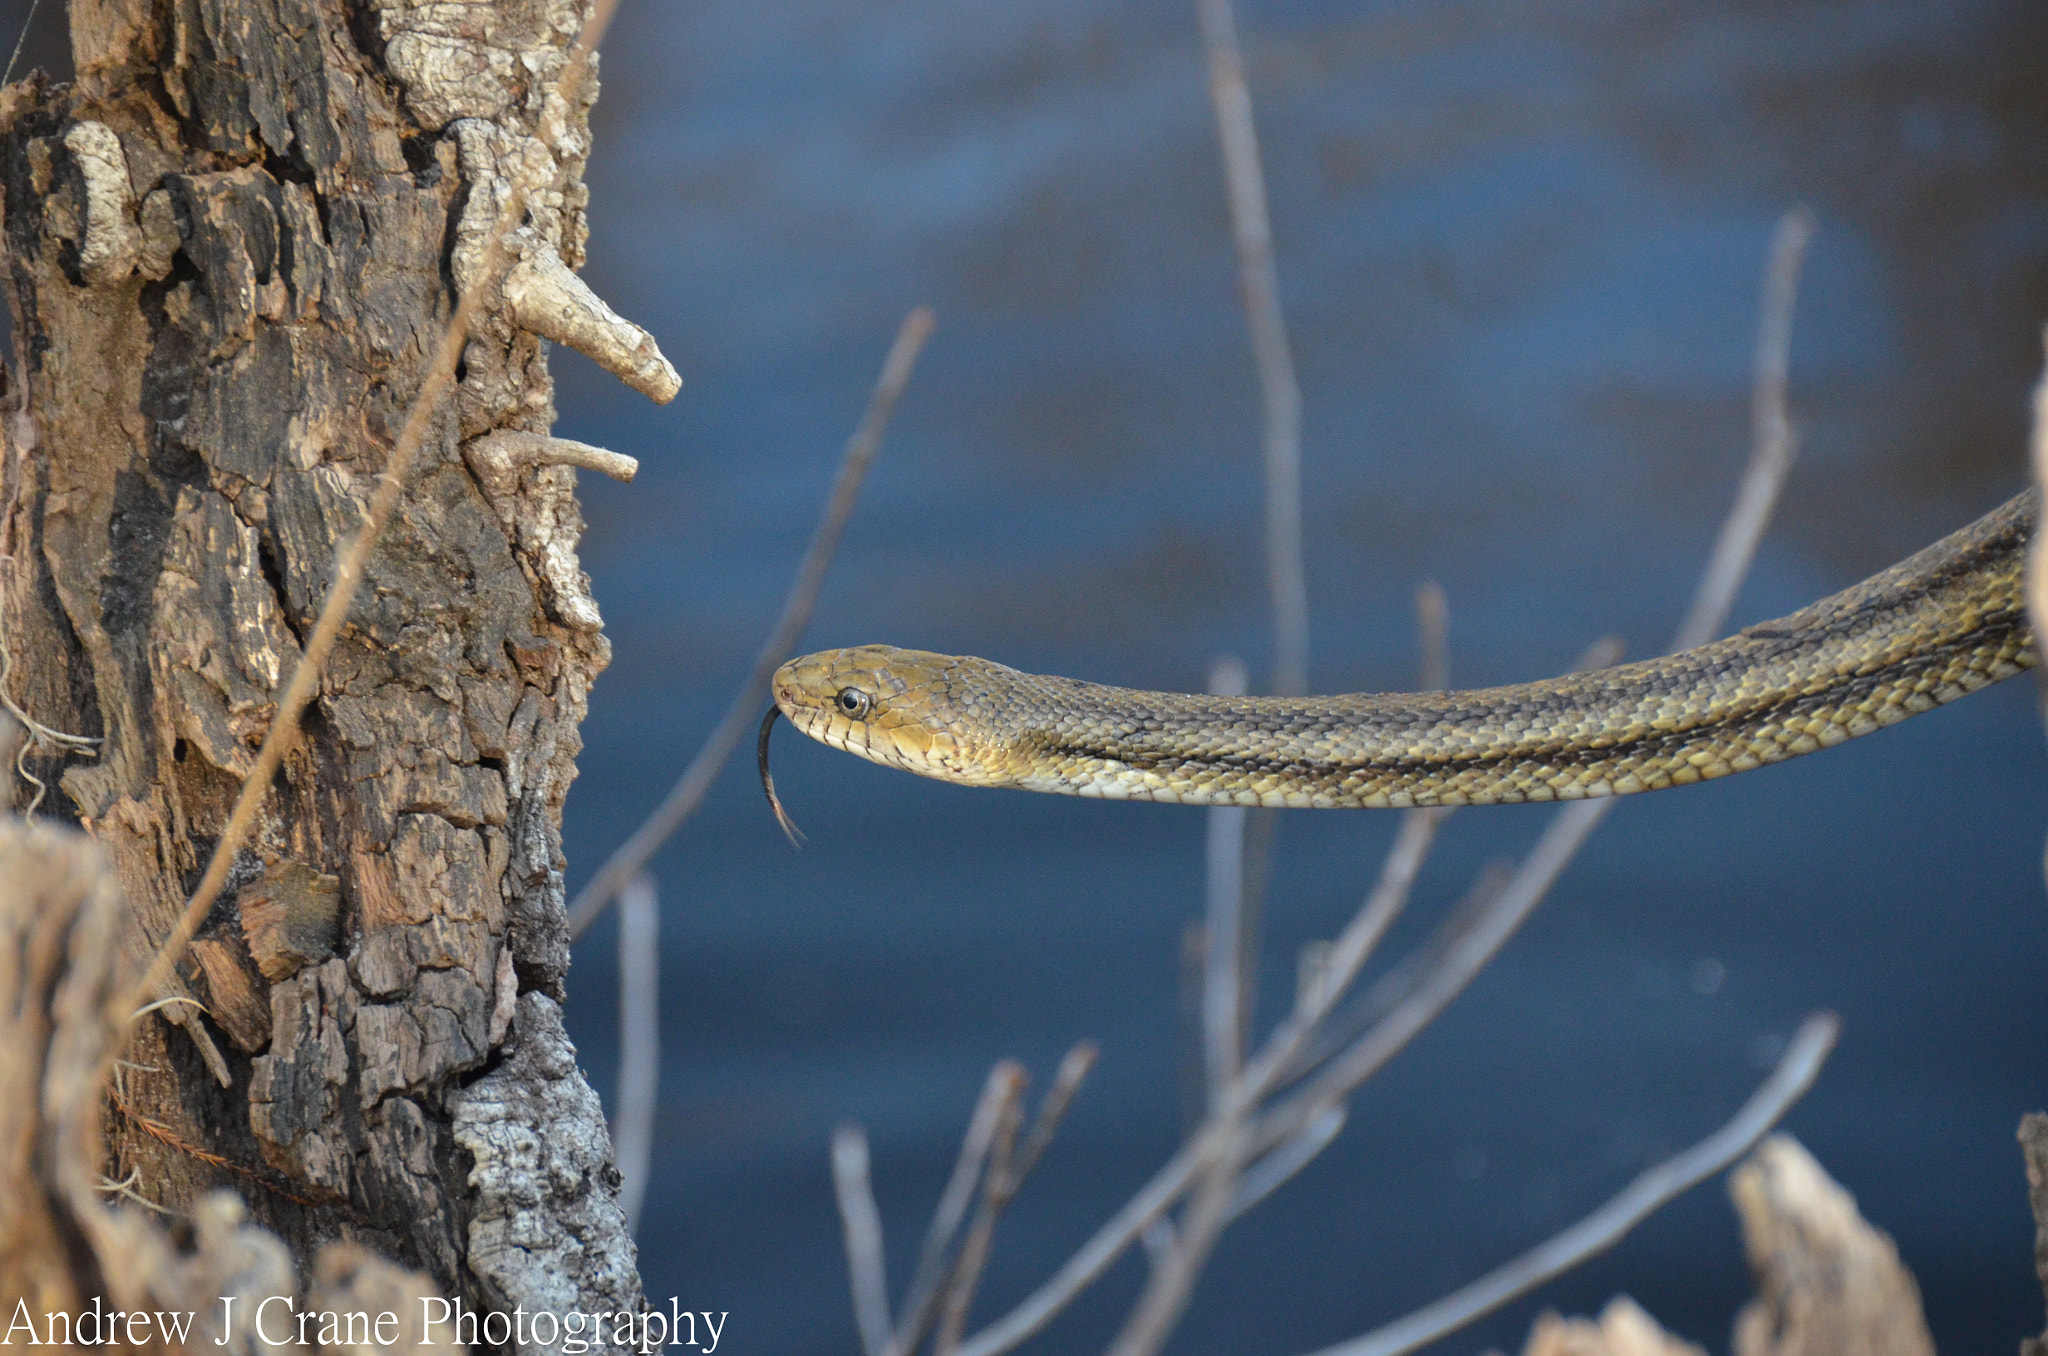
(855,702)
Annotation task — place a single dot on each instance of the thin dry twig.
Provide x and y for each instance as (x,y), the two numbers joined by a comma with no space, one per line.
(1280,401)
(1774,439)
(1005,1081)
(1400,982)
(1066,1082)
(1433,627)
(1267,1175)
(1221,1194)
(996,1190)
(349,568)
(1081,1270)
(1461,965)
(639,1040)
(1008,1165)
(37,733)
(695,783)
(1225,952)
(1601,1230)
(1278,388)
(1734,549)
(862,1224)
(1172,1280)
(20,41)
(1232,1095)
(1469,952)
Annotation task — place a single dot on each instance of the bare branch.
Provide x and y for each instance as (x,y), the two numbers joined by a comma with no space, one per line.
(1399,983)
(1066,1082)
(1095,1256)
(1280,392)
(348,574)
(862,1226)
(1770,455)
(1224,1012)
(1606,1226)
(19,40)
(1005,1083)
(1224,958)
(1559,843)
(1467,954)
(690,789)
(1773,438)
(1433,627)
(1173,1277)
(639,1040)
(996,1189)
(1008,1166)
(1268,1174)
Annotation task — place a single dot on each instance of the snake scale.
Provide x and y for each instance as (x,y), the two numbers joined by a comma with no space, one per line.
(1945,622)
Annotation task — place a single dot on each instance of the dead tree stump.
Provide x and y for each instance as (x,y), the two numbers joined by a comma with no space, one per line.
(231,247)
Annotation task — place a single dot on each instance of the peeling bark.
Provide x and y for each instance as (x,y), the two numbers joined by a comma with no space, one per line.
(231,246)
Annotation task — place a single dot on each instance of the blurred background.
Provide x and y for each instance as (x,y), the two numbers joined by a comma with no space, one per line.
(1520,244)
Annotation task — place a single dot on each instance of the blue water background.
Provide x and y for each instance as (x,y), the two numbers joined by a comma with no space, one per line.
(1520,246)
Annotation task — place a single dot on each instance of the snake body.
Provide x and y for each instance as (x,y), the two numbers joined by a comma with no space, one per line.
(1945,622)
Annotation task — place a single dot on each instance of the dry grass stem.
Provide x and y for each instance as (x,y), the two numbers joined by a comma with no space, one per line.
(349,568)
(1601,1230)
(695,783)
(862,1224)
(639,1040)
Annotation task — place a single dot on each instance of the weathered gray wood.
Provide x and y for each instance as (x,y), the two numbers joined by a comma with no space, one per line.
(2034,1151)
(230,248)
(1828,1284)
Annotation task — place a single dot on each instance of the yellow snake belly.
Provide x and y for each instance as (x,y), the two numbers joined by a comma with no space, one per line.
(1945,622)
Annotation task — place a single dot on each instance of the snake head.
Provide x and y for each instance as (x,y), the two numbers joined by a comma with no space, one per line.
(901,708)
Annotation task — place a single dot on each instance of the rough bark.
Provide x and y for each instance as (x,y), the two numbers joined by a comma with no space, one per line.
(231,246)
(65,1241)
(2034,1151)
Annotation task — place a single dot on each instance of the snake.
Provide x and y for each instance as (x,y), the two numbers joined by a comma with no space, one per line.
(1944,622)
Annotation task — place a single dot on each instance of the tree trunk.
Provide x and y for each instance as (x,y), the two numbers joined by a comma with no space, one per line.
(232,246)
